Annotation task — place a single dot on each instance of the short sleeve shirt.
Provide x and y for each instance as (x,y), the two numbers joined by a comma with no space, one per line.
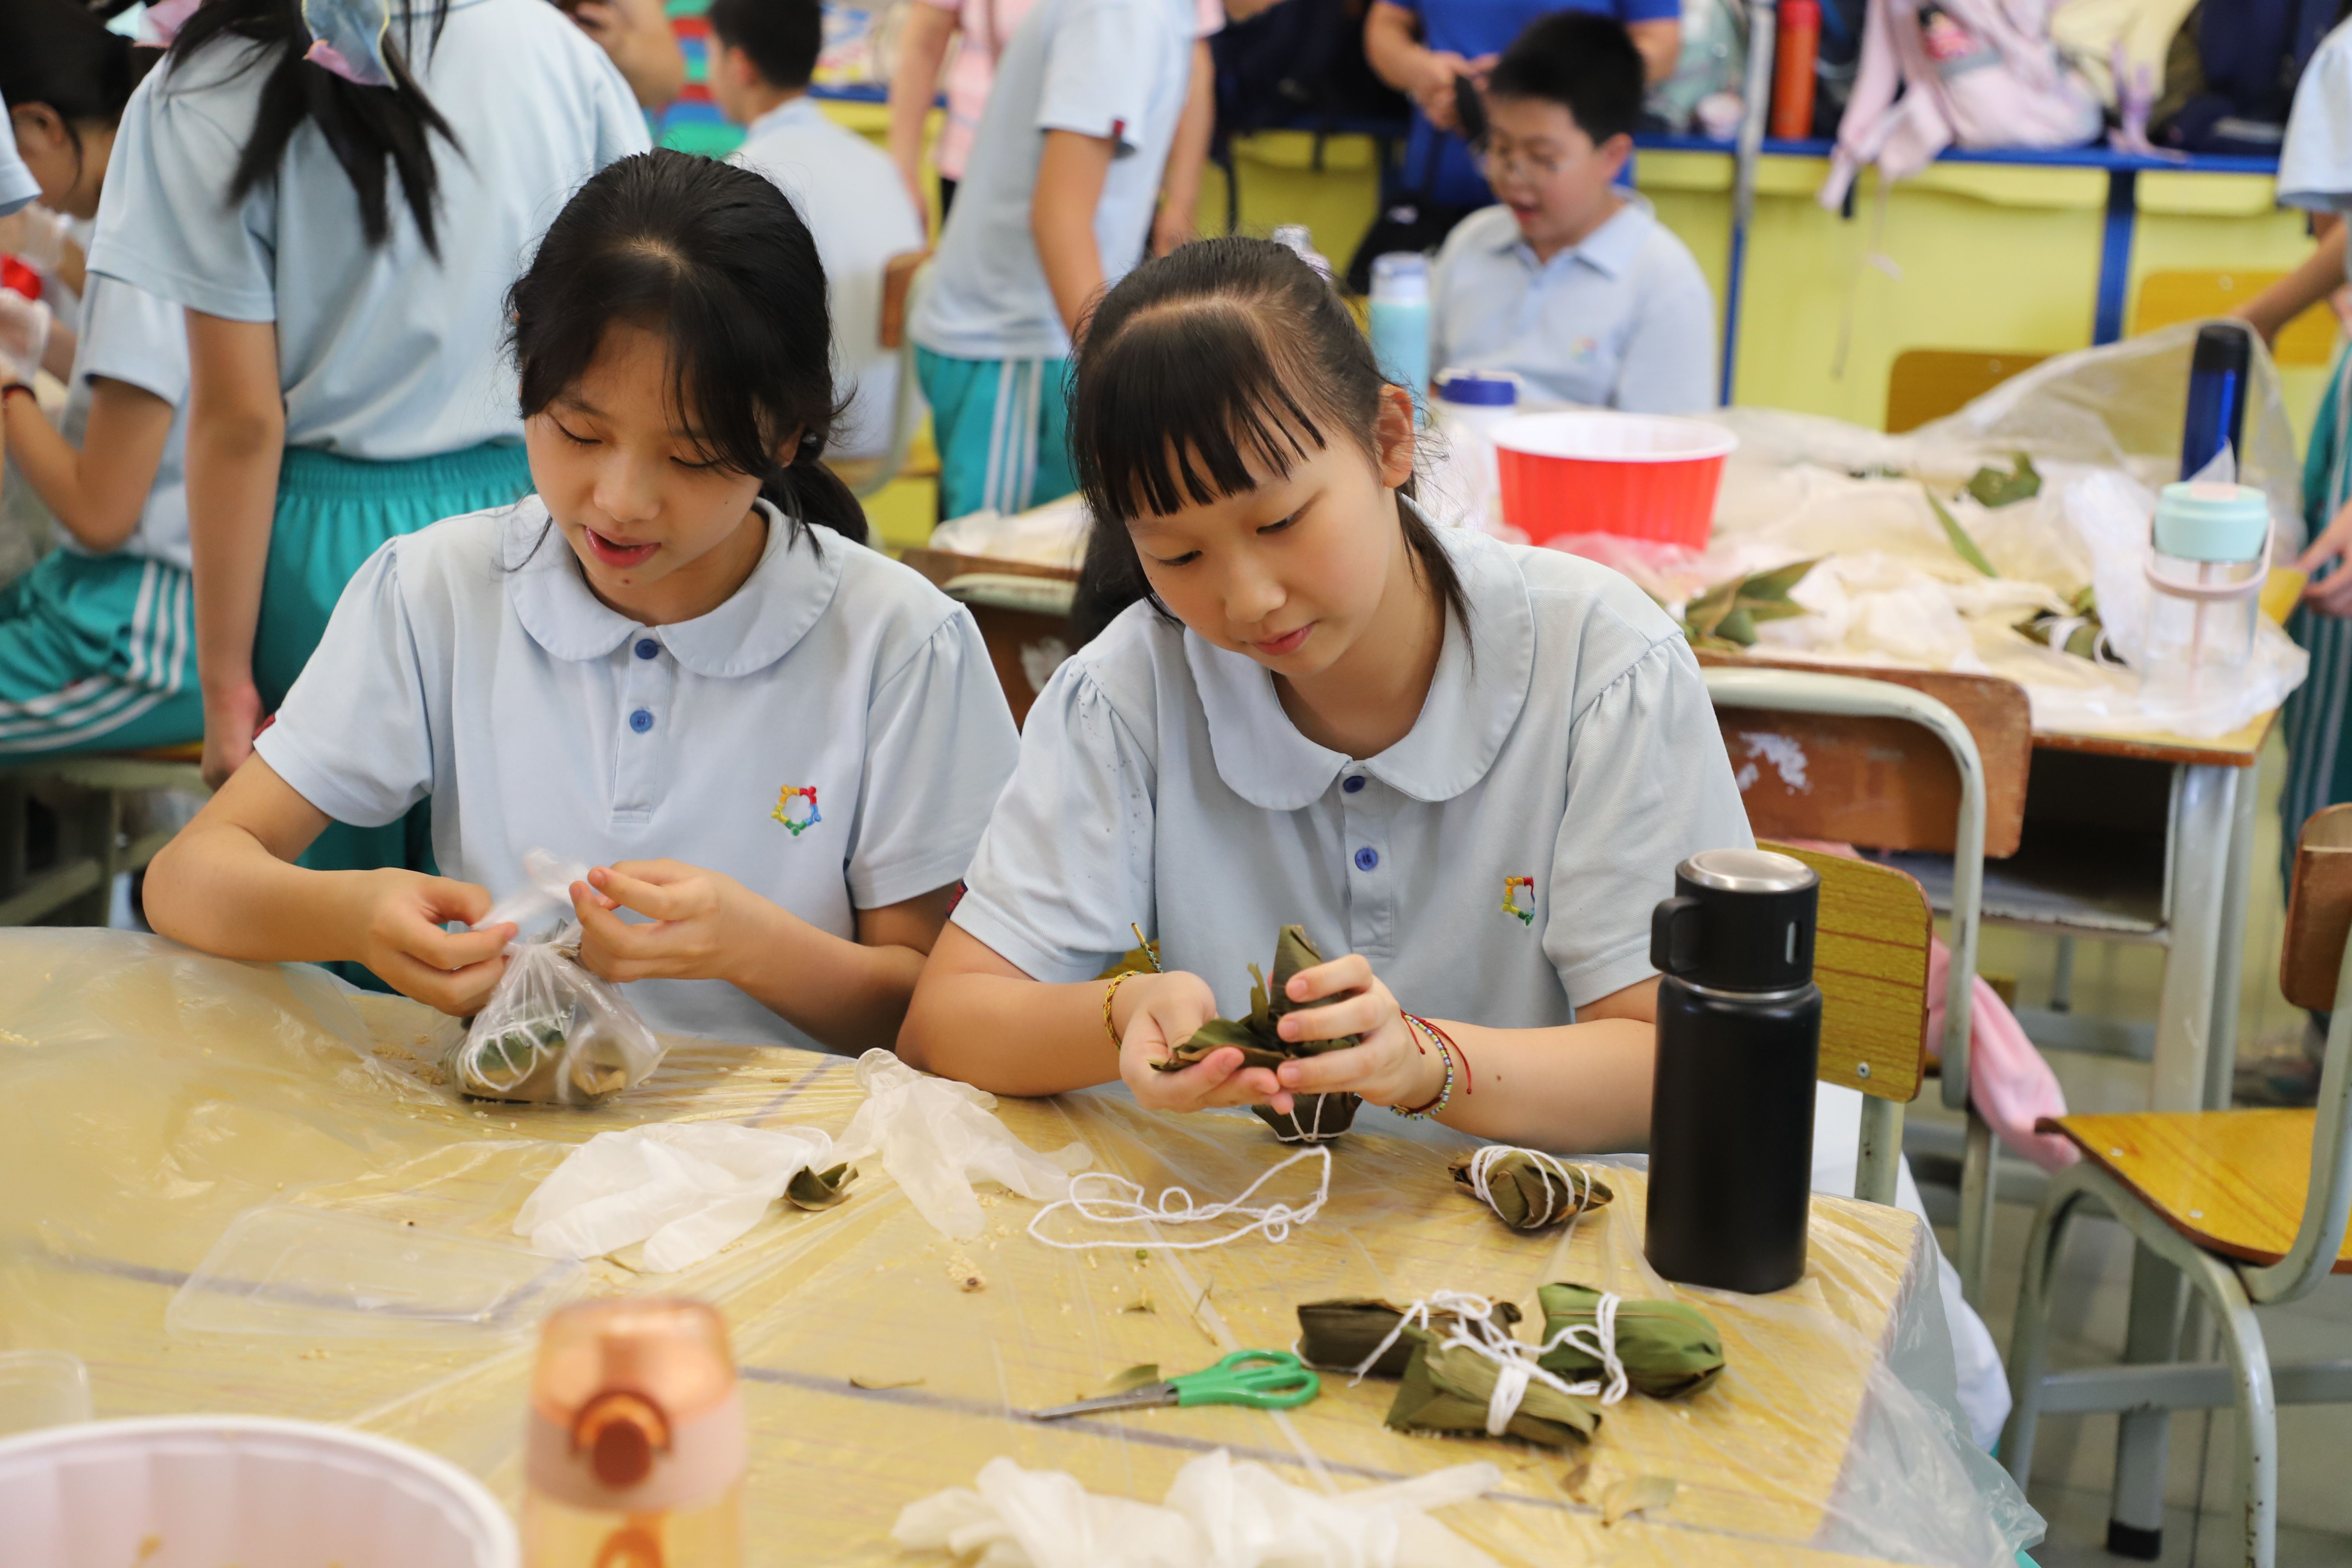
(2315,163)
(1623,320)
(131,336)
(832,736)
(1111,68)
(383,352)
(1474,28)
(1498,865)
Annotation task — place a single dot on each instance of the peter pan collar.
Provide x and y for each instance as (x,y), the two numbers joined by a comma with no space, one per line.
(1472,704)
(758,624)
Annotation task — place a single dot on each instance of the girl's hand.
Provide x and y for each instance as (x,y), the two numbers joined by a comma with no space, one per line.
(1153,1014)
(232,714)
(1392,1065)
(698,917)
(2334,595)
(400,937)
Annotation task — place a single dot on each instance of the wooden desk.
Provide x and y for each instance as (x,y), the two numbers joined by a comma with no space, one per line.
(155,1094)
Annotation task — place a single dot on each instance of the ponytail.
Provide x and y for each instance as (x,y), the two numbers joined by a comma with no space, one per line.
(806,489)
(56,53)
(367,128)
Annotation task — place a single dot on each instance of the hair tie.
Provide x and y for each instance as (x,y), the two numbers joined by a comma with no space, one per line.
(811,446)
(347,39)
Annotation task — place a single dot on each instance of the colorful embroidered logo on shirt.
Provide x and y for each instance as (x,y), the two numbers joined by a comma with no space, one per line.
(796,808)
(1519,898)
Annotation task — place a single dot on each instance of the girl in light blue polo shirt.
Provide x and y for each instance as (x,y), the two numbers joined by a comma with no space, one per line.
(1468,768)
(339,193)
(676,662)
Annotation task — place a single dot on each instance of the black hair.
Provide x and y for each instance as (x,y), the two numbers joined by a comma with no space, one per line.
(53,52)
(365,127)
(1585,63)
(714,258)
(782,36)
(1222,352)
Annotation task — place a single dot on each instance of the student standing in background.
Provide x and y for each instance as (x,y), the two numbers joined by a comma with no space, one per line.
(1420,46)
(1057,201)
(1570,282)
(341,229)
(982,29)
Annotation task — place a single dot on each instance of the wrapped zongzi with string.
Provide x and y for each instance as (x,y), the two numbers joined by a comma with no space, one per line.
(1338,1334)
(1668,1348)
(1313,1118)
(1527,1189)
(1448,1387)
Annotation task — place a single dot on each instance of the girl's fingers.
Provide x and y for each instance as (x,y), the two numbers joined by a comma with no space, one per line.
(1332,1069)
(448,952)
(1352,1015)
(454,901)
(1351,973)
(662,903)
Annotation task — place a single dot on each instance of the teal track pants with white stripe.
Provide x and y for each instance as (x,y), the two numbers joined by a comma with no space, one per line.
(98,653)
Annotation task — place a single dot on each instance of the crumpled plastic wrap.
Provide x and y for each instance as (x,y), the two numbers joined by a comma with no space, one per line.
(1220,1513)
(155,1094)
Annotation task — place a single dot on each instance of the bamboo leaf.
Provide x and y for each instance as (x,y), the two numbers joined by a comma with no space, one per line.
(1962,545)
(1992,488)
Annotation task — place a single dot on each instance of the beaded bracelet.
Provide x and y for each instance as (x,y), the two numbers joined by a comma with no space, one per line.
(1445,1093)
(1469,1079)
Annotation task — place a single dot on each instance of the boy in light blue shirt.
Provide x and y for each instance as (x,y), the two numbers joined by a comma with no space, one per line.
(763,53)
(1056,200)
(1569,283)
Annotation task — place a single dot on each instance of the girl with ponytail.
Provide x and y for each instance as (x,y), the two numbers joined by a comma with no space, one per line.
(339,193)
(676,662)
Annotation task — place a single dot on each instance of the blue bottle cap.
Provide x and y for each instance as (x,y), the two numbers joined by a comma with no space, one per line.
(1479,388)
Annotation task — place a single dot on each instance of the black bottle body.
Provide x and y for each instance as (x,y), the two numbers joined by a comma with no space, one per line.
(1731,1134)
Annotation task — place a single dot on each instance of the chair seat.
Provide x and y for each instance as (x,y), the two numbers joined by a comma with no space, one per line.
(2233,1182)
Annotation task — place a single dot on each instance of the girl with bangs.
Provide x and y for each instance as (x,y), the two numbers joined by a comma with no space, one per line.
(1469,768)
(677,656)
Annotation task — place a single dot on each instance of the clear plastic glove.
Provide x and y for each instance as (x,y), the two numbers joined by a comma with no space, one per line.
(684,1188)
(35,234)
(1220,1513)
(936,1137)
(23,333)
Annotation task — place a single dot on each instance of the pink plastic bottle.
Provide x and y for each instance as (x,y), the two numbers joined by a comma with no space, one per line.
(635,1451)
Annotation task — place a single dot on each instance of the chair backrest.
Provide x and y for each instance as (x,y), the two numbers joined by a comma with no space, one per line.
(2316,972)
(1870,959)
(897,283)
(1928,384)
(2167,298)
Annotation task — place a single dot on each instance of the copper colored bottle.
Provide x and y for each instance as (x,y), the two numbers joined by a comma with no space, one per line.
(634,1456)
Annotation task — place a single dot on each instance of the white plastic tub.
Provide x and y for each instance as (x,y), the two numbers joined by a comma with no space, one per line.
(212,1491)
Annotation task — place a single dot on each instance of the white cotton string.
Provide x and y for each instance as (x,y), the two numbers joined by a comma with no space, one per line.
(1575,1181)
(1596,1339)
(1120,1202)
(1473,1327)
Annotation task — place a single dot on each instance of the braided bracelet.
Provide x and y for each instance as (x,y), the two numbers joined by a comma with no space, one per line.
(1109,992)
(1445,1093)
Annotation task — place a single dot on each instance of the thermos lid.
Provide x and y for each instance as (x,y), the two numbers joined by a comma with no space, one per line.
(1479,388)
(2226,347)
(1401,275)
(1740,919)
(633,1407)
(2199,521)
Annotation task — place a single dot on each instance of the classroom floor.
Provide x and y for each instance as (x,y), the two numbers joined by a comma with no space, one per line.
(2074,1454)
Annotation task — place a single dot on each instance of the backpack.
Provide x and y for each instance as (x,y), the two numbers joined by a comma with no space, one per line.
(1980,73)
(2252,53)
(1297,65)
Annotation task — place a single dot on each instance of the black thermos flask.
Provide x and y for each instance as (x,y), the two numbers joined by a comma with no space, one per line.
(1739,1032)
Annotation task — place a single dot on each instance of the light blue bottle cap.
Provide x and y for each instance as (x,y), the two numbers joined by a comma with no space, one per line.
(2211,522)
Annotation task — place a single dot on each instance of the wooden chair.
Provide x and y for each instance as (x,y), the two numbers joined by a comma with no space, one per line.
(92,849)
(902,278)
(2167,298)
(1870,960)
(1928,384)
(1022,610)
(1804,692)
(2251,1206)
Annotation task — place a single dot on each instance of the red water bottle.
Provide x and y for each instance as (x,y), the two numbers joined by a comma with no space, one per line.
(1796,42)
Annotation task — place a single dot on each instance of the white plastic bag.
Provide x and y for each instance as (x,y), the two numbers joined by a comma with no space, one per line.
(936,1137)
(551,1032)
(684,1188)
(1220,1513)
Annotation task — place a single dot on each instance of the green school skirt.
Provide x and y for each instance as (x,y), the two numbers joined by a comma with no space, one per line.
(333,514)
(98,653)
(2318,760)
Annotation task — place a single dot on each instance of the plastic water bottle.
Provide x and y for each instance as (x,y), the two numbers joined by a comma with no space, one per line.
(2211,557)
(635,1449)
(1400,320)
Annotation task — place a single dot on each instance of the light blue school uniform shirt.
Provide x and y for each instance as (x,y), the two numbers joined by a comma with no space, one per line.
(1623,320)
(383,352)
(1498,865)
(832,736)
(848,192)
(131,336)
(18,185)
(1111,68)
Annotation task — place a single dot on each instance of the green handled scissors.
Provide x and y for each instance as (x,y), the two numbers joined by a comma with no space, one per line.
(1261,1380)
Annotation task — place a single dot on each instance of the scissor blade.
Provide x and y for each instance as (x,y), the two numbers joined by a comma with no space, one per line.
(1133,1399)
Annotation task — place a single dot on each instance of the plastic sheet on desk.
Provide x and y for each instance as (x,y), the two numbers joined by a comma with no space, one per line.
(160,1094)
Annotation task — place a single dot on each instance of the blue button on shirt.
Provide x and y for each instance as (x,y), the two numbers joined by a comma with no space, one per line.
(1624,320)
(1355,783)
(641,720)
(1367,859)
(648,648)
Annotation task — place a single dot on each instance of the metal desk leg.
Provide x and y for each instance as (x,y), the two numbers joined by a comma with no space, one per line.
(2230,954)
(2204,830)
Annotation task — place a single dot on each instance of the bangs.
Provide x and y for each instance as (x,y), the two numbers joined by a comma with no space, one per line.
(1184,408)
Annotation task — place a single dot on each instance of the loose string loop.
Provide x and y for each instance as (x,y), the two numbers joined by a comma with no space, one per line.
(1472,1327)
(1120,1202)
